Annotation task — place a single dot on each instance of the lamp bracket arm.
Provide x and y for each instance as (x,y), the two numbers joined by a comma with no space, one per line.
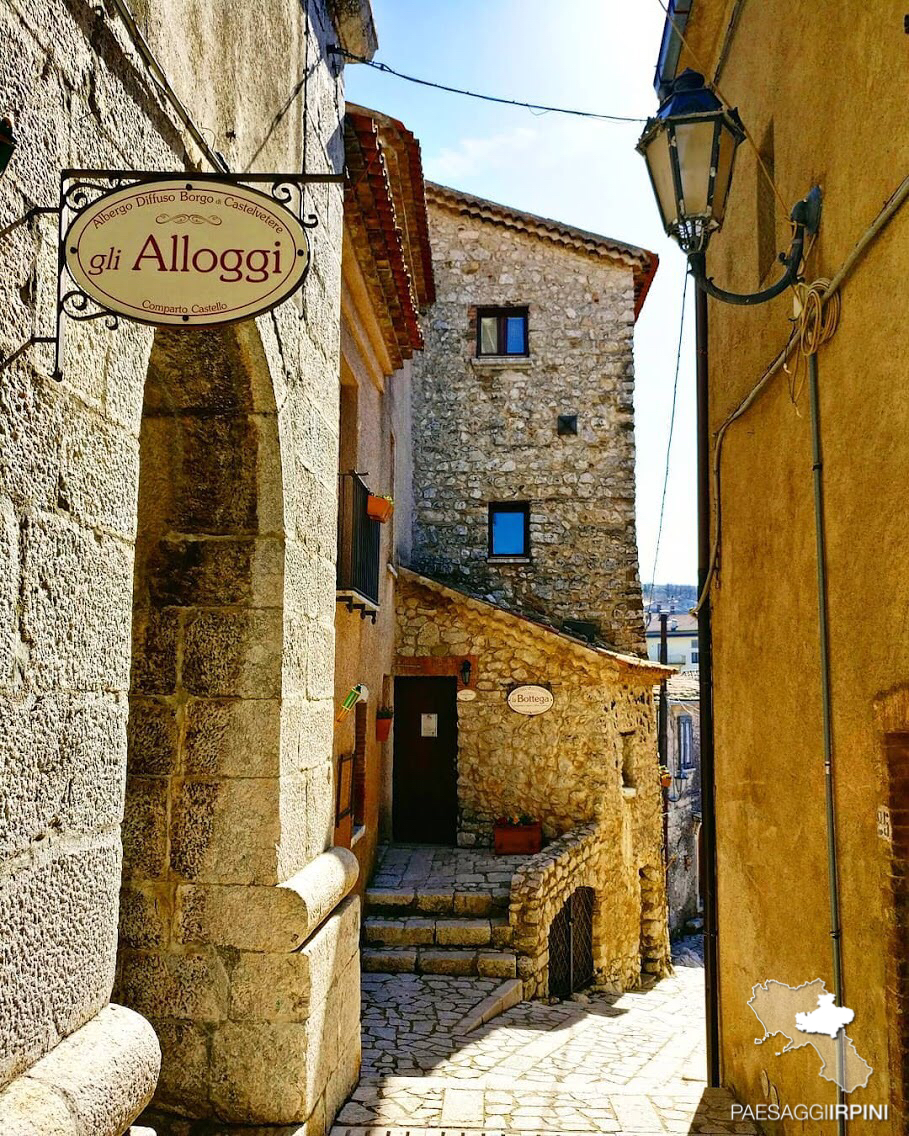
(806,216)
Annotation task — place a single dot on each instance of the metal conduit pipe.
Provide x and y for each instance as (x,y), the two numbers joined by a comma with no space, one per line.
(826,712)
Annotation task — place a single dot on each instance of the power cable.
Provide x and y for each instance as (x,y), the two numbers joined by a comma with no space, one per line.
(675,391)
(349,55)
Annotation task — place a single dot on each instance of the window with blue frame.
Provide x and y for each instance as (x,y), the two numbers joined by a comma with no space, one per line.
(502,331)
(509,528)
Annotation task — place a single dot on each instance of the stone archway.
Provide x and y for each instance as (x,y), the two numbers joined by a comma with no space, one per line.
(234,963)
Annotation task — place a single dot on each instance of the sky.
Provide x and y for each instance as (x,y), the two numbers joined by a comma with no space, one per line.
(594,55)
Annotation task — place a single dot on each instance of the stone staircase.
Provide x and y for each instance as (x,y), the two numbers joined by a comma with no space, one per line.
(439,911)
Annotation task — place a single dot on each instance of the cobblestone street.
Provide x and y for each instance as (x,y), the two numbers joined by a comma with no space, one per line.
(632,1063)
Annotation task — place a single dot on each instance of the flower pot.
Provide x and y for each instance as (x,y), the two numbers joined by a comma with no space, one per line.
(383,729)
(517,839)
(379,508)
(666,780)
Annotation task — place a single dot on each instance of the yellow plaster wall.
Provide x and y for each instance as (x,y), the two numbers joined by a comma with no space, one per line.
(829,76)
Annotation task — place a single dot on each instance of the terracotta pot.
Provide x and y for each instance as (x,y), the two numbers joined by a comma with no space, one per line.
(379,508)
(666,780)
(383,729)
(517,839)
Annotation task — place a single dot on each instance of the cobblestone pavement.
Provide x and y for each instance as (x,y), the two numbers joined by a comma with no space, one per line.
(429,867)
(631,1064)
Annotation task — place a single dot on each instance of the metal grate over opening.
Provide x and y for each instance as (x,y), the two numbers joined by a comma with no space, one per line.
(571,945)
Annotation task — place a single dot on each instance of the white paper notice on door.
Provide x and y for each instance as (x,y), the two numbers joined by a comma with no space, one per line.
(429,725)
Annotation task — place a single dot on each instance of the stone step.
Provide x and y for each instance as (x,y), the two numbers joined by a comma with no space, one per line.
(487,962)
(480,902)
(423,930)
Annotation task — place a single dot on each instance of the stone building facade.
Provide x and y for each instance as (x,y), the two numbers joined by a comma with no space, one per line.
(167,607)
(773,835)
(492,428)
(683,759)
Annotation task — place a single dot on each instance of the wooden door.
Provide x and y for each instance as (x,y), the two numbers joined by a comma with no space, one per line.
(425,784)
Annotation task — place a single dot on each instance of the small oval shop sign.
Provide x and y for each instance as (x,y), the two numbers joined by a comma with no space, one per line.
(530,699)
(185,253)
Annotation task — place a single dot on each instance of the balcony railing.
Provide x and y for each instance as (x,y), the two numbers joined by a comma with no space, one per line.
(358,545)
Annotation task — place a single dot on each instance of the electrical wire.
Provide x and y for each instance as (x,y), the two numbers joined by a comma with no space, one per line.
(827,296)
(349,55)
(675,391)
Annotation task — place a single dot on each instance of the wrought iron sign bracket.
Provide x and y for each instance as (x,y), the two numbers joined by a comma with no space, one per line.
(82,188)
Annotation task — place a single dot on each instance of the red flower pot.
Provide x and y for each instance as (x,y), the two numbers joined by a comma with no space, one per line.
(383,729)
(517,839)
(379,508)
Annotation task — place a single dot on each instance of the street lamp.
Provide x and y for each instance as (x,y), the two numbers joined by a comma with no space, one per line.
(689,148)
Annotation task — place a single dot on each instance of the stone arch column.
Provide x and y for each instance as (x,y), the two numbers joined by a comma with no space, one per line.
(233,962)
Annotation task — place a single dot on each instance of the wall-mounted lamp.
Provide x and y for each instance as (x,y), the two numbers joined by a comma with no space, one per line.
(466,668)
(7,143)
(689,148)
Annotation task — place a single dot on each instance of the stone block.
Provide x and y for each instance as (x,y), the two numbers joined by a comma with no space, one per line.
(272,988)
(102,1076)
(216,474)
(233,654)
(225,831)
(193,985)
(472,903)
(463,932)
(152,737)
(145,828)
(99,472)
(435,902)
(146,911)
(154,662)
(259,1072)
(453,962)
(402,960)
(394,899)
(236,738)
(76,606)
(398,932)
(496,964)
(59,920)
(183,1083)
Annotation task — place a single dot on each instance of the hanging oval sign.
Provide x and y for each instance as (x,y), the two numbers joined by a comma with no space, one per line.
(188,254)
(530,699)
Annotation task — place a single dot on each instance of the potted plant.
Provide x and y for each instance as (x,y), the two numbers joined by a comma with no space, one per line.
(379,507)
(384,716)
(665,776)
(517,835)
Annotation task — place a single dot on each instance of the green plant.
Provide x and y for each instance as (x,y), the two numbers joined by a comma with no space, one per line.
(385,712)
(516,819)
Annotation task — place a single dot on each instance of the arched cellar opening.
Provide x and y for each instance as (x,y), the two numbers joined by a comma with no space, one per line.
(571,945)
(202,815)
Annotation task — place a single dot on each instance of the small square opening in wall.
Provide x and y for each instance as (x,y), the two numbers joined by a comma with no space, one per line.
(567,425)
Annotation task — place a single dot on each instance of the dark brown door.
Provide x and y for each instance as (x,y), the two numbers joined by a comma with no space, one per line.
(425,760)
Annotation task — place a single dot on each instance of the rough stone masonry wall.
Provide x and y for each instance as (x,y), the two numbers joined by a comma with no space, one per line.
(626,941)
(69,471)
(486,431)
(564,767)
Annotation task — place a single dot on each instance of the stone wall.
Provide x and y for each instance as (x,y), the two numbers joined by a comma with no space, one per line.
(485,430)
(622,926)
(244,728)
(564,767)
(684,821)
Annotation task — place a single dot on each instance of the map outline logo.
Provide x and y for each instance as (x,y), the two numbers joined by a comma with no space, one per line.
(806,1015)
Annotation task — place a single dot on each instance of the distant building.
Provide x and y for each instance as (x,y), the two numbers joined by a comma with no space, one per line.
(683,758)
(682,636)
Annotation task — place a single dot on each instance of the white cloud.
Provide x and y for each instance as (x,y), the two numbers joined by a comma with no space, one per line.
(475,155)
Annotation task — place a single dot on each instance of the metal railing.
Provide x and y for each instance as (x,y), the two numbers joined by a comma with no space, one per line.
(358,540)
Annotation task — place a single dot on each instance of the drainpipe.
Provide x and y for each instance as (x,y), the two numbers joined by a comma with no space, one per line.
(705,668)
(830,798)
